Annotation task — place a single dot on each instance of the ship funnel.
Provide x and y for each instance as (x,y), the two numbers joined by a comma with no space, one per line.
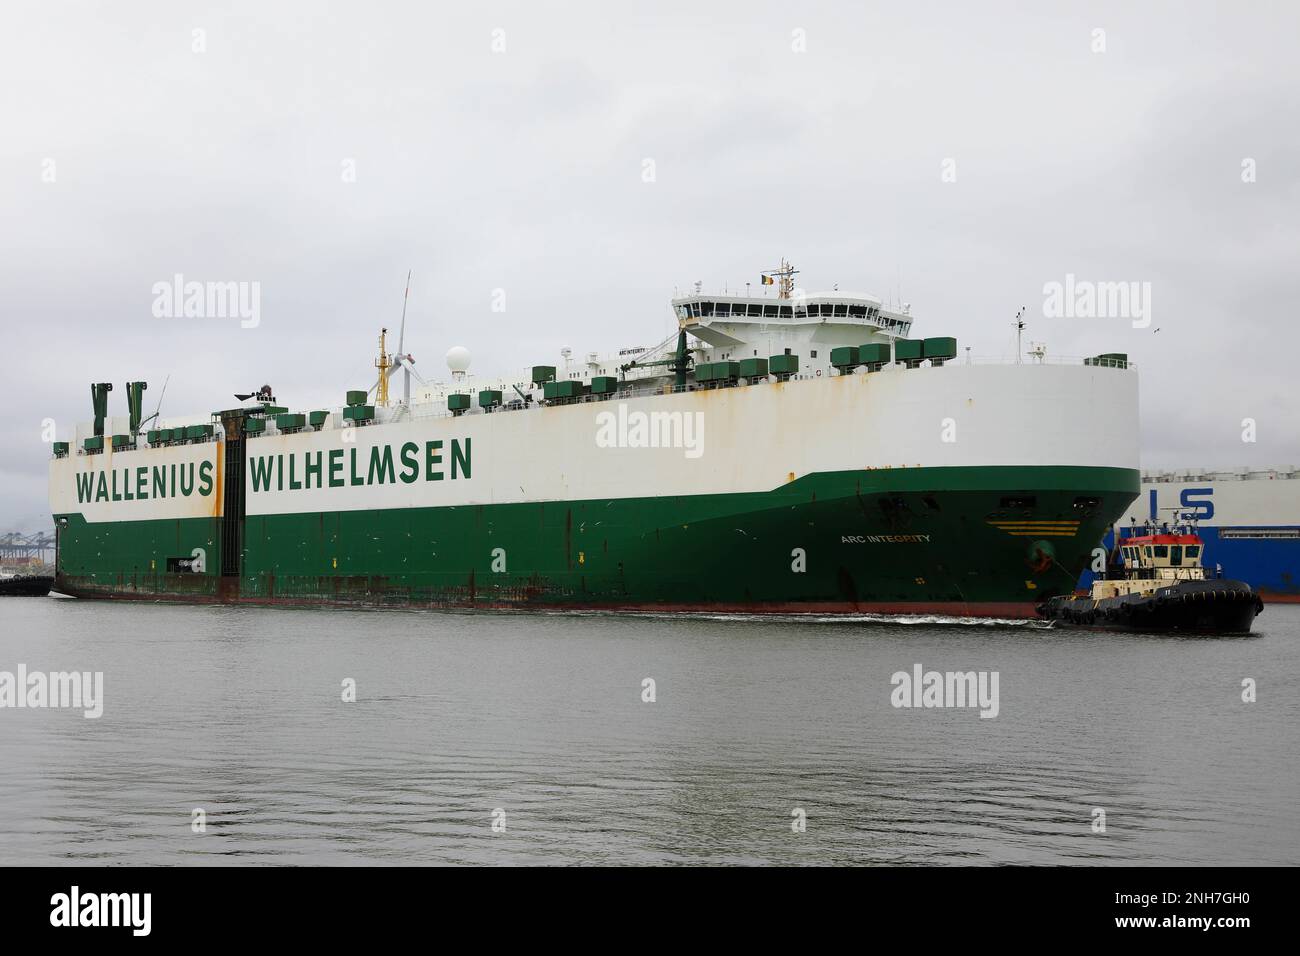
(135,403)
(99,400)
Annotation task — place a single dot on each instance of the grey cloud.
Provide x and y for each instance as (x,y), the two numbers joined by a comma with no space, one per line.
(522,171)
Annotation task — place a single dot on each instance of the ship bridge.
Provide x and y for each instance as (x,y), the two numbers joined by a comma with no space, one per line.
(729,326)
(1161,551)
(731,320)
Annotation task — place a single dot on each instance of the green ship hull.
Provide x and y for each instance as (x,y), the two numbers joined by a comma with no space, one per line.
(973,540)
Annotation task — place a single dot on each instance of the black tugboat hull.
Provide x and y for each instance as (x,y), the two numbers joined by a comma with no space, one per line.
(1189,607)
(27,586)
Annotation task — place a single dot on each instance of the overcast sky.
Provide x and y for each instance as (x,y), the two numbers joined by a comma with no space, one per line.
(322,150)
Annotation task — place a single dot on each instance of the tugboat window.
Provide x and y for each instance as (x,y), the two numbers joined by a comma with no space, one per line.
(1176,555)
(1193,550)
(1162,551)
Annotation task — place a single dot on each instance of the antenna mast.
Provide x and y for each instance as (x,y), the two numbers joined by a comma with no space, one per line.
(403,358)
(1020,328)
(785,279)
(158,409)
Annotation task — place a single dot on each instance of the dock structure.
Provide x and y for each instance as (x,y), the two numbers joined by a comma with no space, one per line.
(22,550)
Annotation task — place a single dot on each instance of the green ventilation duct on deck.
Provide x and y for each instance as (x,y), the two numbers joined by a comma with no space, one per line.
(135,404)
(99,399)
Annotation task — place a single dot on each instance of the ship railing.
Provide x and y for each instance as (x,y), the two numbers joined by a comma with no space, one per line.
(631,390)
(1089,360)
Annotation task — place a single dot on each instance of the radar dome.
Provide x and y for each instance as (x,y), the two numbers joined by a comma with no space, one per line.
(458,359)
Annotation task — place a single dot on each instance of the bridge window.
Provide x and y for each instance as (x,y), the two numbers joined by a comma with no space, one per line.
(722,308)
(786,312)
(841,311)
(769,311)
(1176,555)
(1162,551)
(1193,551)
(756,310)
(706,308)
(858,311)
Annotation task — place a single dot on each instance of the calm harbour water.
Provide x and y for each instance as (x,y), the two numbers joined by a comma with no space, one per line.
(238,711)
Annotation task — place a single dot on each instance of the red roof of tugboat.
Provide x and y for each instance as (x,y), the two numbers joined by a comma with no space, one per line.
(1162,539)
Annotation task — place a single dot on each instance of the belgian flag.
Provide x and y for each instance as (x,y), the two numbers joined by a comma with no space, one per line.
(768,280)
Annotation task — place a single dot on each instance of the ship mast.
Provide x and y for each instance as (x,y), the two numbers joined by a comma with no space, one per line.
(784,277)
(383,363)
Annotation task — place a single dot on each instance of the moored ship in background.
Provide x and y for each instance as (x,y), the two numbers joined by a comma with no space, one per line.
(780,453)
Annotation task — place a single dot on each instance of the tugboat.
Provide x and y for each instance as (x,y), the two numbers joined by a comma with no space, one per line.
(1156,583)
(25,585)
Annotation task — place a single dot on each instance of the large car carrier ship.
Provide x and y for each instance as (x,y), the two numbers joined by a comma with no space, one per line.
(781,452)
